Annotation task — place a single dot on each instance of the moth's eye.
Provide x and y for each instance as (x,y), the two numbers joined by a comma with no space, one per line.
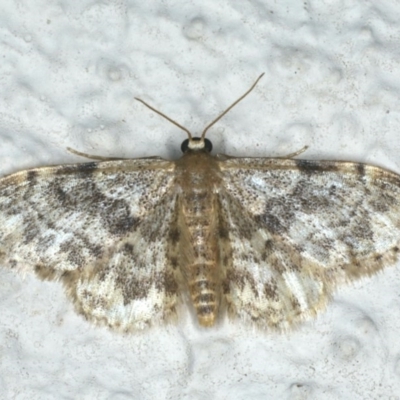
(207,145)
(185,145)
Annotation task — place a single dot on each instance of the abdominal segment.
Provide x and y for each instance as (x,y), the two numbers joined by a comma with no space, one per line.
(202,272)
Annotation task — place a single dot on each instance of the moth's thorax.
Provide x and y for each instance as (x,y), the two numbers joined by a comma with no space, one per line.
(198,177)
(197,169)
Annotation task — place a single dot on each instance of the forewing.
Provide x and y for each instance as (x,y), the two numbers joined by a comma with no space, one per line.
(100,227)
(299,228)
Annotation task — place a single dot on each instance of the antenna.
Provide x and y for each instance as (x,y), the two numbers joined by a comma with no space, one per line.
(211,123)
(166,117)
(230,107)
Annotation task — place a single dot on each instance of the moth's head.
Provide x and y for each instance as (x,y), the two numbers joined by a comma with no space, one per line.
(196,144)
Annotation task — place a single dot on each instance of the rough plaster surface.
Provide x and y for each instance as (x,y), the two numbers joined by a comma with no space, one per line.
(69,73)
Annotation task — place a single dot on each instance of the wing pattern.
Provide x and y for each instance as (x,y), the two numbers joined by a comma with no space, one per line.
(299,228)
(100,227)
(288,232)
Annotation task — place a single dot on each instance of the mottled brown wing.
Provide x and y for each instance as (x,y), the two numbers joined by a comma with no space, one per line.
(298,229)
(103,229)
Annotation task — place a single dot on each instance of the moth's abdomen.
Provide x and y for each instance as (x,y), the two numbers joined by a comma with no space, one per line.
(198,178)
(203,291)
(202,271)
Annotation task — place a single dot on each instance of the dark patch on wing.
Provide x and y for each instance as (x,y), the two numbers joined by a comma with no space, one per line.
(31,176)
(308,202)
(277,217)
(174,235)
(240,279)
(45,273)
(271,291)
(168,284)
(78,169)
(271,222)
(128,249)
(361,170)
(31,230)
(85,198)
(174,262)
(268,250)
(312,167)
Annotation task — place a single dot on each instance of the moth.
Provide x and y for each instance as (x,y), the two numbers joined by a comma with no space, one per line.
(264,240)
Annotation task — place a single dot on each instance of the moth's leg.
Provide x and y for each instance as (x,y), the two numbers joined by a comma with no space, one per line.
(98,158)
(295,154)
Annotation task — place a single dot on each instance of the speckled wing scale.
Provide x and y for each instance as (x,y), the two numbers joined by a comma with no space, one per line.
(264,240)
(298,228)
(103,228)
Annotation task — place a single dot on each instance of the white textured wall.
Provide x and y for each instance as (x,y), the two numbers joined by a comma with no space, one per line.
(69,71)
